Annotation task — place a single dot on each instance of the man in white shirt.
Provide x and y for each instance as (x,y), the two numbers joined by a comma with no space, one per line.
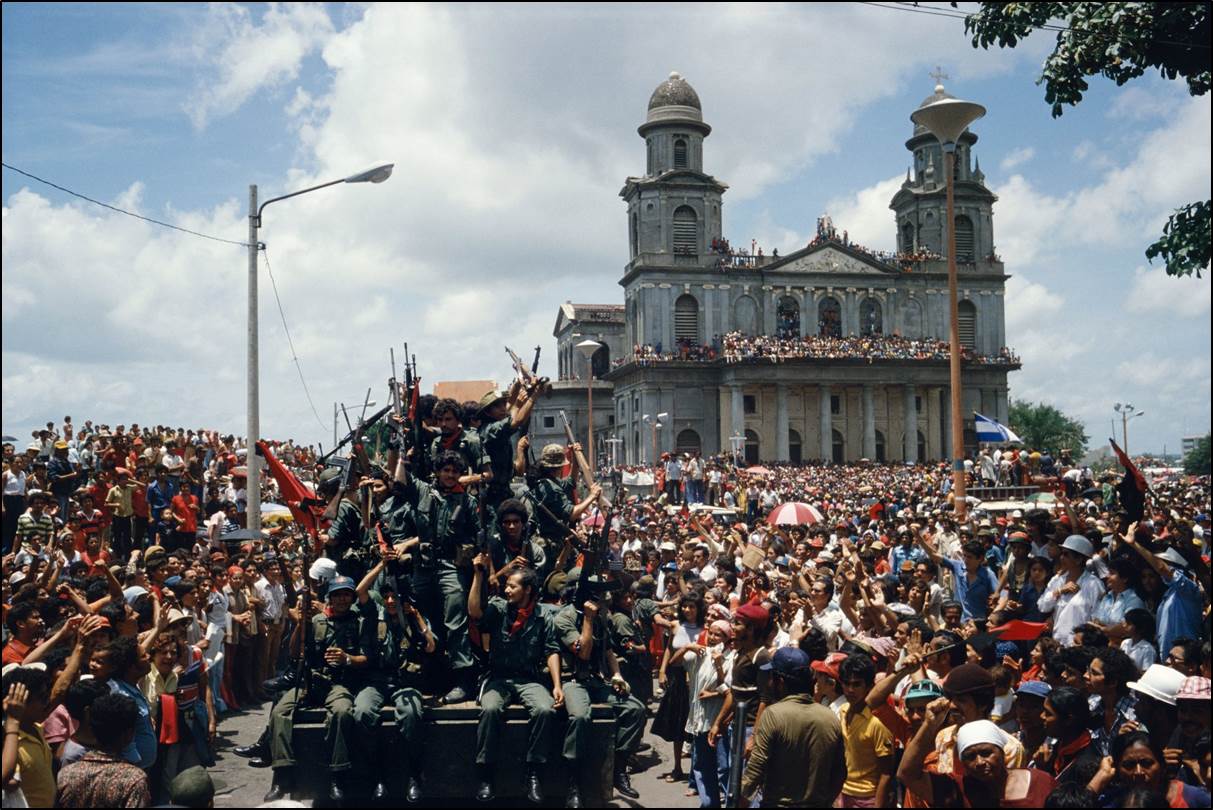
(1073,593)
(702,564)
(673,477)
(272,594)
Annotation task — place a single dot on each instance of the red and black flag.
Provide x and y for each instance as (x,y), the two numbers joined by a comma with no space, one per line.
(1132,488)
(306,508)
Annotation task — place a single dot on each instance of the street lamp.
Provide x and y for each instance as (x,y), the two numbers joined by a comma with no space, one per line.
(375,175)
(1127,412)
(946,119)
(587,348)
(656,424)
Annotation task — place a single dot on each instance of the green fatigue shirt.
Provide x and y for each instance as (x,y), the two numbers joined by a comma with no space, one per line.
(567,625)
(497,440)
(450,522)
(403,653)
(554,494)
(466,445)
(791,733)
(525,654)
(502,554)
(624,631)
(346,532)
(396,518)
(356,633)
(643,612)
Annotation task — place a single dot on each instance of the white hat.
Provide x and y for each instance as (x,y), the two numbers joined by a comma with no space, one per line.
(1079,545)
(1172,557)
(668,546)
(1159,682)
(323,569)
(978,732)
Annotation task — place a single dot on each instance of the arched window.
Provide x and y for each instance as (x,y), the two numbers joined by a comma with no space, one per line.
(922,447)
(964,239)
(829,318)
(688,442)
(686,231)
(880,448)
(840,448)
(967,321)
(680,154)
(751,447)
(600,361)
(871,317)
(794,452)
(907,237)
(745,315)
(686,320)
(787,323)
(911,314)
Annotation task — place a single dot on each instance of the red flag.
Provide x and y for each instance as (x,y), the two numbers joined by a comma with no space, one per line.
(1132,489)
(305,507)
(1019,630)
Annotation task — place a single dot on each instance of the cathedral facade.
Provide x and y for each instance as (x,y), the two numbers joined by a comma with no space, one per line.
(672,385)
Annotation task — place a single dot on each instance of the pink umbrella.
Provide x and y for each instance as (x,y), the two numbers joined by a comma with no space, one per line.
(794,514)
(756,470)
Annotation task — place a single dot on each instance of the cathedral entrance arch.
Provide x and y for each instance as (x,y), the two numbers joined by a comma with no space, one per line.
(829,318)
(751,447)
(688,442)
(871,317)
(787,324)
(745,315)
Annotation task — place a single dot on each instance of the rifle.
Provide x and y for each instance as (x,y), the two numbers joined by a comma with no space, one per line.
(583,465)
(591,561)
(524,374)
(535,364)
(371,420)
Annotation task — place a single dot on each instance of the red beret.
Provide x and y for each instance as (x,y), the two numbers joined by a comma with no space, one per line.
(754,614)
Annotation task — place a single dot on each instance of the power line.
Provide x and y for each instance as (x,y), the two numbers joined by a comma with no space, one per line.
(957,14)
(290,342)
(122,211)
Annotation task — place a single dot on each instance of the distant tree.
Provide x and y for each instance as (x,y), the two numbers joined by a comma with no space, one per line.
(1119,41)
(1044,427)
(1197,462)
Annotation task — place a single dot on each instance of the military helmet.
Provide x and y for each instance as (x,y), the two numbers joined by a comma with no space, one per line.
(553,456)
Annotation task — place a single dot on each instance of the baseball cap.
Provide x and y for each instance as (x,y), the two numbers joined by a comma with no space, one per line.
(829,666)
(340,583)
(924,690)
(1038,689)
(788,661)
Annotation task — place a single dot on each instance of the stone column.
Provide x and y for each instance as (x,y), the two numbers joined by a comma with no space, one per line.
(1000,397)
(869,424)
(945,402)
(737,426)
(782,452)
(910,426)
(827,433)
(934,445)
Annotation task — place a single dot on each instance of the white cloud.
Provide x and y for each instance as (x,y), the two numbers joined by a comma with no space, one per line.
(243,56)
(866,215)
(1016,157)
(1030,304)
(1156,293)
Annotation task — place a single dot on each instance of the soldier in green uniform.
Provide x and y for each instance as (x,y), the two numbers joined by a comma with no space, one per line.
(556,494)
(455,439)
(522,647)
(513,544)
(343,653)
(407,653)
(500,423)
(346,540)
(585,637)
(447,524)
(630,645)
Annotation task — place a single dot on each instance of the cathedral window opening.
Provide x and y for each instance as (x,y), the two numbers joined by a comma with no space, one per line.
(964,239)
(749,404)
(549,422)
(600,362)
(871,317)
(680,154)
(829,318)
(686,231)
(835,405)
(966,321)
(839,447)
(787,318)
(794,447)
(880,448)
(686,322)
(751,447)
(922,446)
(635,235)
(688,442)
(907,238)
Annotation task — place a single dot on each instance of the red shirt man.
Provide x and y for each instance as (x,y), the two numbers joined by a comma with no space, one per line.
(185,509)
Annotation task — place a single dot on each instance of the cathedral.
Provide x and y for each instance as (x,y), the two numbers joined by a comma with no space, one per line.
(663,379)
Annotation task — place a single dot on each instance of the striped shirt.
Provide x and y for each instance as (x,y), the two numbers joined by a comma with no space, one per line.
(31,527)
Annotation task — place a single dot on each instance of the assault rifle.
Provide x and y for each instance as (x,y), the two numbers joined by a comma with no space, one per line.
(525,375)
(592,561)
(584,466)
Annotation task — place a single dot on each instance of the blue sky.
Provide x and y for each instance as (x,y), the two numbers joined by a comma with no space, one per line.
(513,128)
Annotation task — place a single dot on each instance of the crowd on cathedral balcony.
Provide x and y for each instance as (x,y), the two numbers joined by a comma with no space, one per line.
(736,347)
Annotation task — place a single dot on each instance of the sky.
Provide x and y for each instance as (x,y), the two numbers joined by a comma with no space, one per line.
(512,129)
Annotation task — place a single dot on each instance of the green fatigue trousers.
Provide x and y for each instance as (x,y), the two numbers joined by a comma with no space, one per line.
(409,717)
(629,717)
(344,711)
(499,692)
(442,595)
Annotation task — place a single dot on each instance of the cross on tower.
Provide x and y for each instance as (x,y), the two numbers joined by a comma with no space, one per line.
(938,75)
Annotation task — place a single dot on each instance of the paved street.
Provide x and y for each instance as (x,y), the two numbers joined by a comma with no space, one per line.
(238,785)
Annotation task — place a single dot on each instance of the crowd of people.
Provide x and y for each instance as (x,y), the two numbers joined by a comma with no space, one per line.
(882,653)
(736,347)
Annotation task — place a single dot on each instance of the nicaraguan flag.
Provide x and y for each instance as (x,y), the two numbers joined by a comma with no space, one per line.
(990,431)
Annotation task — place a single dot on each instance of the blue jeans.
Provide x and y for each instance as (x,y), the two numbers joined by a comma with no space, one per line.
(711,768)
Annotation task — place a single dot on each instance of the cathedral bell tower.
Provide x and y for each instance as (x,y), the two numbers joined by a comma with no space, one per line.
(674,209)
(920,205)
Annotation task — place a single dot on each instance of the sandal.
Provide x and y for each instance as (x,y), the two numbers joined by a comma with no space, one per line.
(674,776)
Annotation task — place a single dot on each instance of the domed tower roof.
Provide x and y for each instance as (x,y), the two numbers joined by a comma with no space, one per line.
(675,102)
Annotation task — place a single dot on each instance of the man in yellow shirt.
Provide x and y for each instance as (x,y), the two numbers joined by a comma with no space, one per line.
(868,742)
(119,500)
(26,753)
